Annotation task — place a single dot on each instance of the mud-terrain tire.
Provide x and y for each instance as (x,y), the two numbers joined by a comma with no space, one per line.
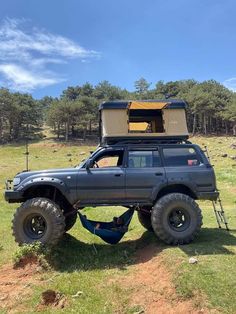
(38,219)
(70,220)
(176,219)
(145,220)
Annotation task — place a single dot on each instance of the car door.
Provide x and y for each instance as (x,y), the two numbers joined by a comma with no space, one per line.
(144,174)
(104,181)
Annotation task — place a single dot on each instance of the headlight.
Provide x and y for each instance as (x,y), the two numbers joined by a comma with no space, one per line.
(16,181)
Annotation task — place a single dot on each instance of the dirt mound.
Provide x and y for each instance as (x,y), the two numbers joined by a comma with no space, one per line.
(16,282)
(52,298)
(27,260)
(152,289)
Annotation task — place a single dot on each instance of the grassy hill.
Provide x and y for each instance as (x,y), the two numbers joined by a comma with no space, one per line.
(92,276)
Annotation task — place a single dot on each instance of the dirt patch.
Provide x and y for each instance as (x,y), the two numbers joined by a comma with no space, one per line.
(152,289)
(49,144)
(53,299)
(16,282)
(232,190)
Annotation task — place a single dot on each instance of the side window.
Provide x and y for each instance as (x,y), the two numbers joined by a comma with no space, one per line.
(143,159)
(109,159)
(180,157)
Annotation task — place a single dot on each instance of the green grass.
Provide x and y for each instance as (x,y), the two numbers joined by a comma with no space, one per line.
(82,262)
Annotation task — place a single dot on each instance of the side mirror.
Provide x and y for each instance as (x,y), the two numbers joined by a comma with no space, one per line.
(89,164)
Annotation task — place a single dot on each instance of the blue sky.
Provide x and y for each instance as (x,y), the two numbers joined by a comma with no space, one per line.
(48,45)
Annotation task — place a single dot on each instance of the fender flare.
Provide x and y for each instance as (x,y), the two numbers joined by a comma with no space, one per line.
(54,182)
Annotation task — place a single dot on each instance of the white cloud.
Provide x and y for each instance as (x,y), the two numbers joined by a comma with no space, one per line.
(25,52)
(23,80)
(230,83)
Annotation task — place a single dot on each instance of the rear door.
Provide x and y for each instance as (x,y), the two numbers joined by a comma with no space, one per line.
(144,174)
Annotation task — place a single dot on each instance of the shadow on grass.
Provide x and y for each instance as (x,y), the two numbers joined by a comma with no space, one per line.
(73,255)
(210,242)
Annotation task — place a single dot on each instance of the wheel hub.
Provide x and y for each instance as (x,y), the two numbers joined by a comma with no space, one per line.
(35,226)
(179,219)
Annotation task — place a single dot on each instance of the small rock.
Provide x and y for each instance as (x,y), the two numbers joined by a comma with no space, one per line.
(224,155)
(68,155)
(3,298)
(232,157)
(82,153)
(54,151)
(233,146)
(193,260)
(78,294)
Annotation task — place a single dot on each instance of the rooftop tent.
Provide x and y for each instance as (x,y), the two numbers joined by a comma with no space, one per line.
(154,118)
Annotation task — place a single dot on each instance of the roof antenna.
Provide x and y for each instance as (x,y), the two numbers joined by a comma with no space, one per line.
(27,149)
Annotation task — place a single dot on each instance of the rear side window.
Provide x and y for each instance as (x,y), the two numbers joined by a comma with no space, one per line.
(144,159)
(180,156)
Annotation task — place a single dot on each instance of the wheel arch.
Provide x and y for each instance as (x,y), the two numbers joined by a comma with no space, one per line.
(48,190)
(176,188)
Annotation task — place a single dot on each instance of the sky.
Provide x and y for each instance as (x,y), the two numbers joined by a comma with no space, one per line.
(48,45)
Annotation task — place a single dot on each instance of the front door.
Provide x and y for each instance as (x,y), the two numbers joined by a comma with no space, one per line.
(144,175)
(104,181)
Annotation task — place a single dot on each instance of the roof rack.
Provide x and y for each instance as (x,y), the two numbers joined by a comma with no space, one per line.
(154,140)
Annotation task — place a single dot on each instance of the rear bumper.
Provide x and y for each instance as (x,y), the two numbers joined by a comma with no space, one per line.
(212,196)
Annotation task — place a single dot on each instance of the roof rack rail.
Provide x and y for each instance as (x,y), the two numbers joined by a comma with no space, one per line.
(163,140)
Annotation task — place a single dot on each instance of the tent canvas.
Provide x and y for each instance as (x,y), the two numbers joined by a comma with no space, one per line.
(158,118)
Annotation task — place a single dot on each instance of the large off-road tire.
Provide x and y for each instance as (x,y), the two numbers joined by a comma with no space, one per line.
(145,220)
(176,219)
(38,219)
(70,220)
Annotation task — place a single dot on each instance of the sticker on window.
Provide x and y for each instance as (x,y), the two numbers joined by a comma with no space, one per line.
(192,162)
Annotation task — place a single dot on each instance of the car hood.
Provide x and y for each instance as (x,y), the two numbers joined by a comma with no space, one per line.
(45,173)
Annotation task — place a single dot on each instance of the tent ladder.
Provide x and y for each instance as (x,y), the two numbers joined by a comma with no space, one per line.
(220,213)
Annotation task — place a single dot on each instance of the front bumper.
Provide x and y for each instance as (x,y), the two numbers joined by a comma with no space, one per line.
(12,196)
(212,196)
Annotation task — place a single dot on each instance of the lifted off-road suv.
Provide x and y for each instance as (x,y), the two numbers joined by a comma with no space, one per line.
(161,179)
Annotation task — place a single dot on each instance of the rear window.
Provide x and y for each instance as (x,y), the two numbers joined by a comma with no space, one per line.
(181,156)
(144,159)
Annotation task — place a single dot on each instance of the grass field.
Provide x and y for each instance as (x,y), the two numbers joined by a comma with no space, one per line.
(96,270)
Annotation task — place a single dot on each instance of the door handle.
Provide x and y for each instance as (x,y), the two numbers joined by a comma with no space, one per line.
(158,174)
(118,175)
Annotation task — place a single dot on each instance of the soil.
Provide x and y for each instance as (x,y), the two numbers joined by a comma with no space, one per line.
(16,282)
(152,289)
(148,284)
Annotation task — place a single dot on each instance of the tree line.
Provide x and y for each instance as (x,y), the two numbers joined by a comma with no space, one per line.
(211,108)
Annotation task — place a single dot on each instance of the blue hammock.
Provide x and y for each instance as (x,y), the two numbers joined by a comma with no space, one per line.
(110,232)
